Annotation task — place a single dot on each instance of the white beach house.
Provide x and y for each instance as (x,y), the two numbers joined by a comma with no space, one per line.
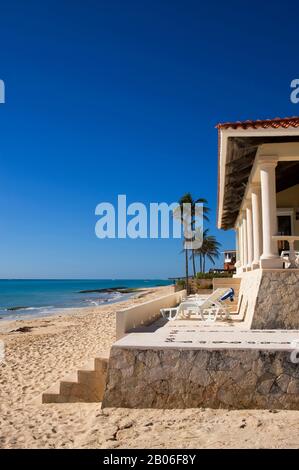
(258,196)
(259,187)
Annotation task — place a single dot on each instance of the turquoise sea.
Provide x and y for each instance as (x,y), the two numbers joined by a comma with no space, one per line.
(45,297)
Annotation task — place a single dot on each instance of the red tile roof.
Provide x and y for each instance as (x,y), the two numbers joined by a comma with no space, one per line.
(266,123)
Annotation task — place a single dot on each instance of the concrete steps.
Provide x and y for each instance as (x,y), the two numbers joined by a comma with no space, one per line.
(85,385)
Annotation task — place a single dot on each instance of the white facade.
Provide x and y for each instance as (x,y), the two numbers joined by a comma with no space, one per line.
(256,222)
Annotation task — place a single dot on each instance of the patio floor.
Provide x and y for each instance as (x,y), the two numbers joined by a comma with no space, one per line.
(196,334)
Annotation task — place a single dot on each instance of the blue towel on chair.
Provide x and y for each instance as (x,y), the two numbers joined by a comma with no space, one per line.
(230,294)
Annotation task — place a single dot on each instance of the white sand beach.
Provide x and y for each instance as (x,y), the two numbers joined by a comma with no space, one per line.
(50,347)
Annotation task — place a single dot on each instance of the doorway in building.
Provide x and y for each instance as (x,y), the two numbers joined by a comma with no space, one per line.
(284,223)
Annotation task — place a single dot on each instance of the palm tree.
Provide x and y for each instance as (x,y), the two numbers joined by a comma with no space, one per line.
(208,250)
(188,199)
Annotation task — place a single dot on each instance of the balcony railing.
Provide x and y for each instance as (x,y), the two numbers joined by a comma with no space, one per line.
(293,257)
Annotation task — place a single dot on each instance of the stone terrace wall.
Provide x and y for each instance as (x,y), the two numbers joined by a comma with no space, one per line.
(269,299)
(184,378)
(248,292)
(277,303)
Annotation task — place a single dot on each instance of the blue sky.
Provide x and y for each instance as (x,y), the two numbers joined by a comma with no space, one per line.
(121,97)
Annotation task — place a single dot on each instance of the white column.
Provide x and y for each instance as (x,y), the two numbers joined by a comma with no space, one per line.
(269,258)
(237,244)
(245,247)
(256,224)
(238,248)
(241,244)
(249,236)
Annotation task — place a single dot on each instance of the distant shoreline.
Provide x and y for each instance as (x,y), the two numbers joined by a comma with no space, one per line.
(68,312)
(44,313)
(21,299)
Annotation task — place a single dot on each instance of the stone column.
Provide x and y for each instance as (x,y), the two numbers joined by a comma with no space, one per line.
(249,235)
(269,258)
(256,224)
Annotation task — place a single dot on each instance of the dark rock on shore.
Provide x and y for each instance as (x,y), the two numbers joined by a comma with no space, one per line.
(121,290)
(16,308)
(23,329)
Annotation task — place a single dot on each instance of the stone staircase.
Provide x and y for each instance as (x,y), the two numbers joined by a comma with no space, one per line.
(85,385)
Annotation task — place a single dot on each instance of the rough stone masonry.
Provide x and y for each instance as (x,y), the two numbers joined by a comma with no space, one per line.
(182,378)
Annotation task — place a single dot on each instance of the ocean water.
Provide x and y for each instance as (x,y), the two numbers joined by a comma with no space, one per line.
(47,297)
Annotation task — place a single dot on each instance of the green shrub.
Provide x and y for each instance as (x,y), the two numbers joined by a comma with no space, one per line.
(213,275)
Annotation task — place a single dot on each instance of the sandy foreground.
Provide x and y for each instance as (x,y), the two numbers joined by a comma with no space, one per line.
(52,346)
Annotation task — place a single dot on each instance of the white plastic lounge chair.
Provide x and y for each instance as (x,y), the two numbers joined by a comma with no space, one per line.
(195,297)
(169,313)
(285,255)
(209,308)
(190,307)
(213,306)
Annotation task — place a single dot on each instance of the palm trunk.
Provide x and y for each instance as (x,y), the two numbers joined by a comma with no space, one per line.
(204,263)
(193,262)
(200,262)
(187,271)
